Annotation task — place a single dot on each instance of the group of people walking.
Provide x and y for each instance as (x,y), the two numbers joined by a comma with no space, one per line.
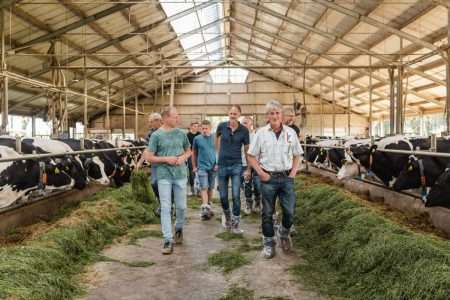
(264,162)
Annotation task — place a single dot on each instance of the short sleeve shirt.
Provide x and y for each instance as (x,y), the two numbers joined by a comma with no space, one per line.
(275,154)
(206,152)
(191,137)
(169,143)
(231,143)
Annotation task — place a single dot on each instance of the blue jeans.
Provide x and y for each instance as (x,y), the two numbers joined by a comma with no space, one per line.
(166,188)
(252,187)
(225,173)
(207,179)
(282,187)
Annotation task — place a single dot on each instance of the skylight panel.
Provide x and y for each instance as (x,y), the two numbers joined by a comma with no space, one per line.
(224,75)
(193,22)
(173,7)
(185,24)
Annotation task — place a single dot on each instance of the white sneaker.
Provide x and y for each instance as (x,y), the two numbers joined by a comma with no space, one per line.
(268,251)
(226,223)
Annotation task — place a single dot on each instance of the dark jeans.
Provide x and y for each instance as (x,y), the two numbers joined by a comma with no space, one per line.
(234,173)
(154,182)
(282,187)
(252,187)
(191,174)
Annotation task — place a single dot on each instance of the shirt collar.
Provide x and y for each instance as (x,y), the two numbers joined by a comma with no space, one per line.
(239,125)
(269,128)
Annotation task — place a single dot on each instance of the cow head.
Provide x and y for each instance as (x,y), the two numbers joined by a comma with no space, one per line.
(73,167)
(27,174)
(356,161)
(409,177)
(336,156)
(95,169)
(439,194)
(321,156)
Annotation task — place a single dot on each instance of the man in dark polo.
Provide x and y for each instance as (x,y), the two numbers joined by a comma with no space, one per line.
(231,137)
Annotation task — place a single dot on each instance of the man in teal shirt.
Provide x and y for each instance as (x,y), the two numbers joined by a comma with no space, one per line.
(169,148)
(205,165)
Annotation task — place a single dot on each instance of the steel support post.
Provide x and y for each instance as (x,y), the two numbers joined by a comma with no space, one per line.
(370,98)
(136,117)
(124,116)
(172,90)
(447,99)
(399,100)
(391,102)
(4,80)
(321,110)
(421,124)
(108,90)
(334,108)
(33,126)
(447,76)
(348,103)
(85,107)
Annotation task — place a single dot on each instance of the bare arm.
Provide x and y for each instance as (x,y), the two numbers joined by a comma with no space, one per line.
(151,157)
(194,159)
(249,168)
(218,144)
(251,161)
(294,168)
(183,157)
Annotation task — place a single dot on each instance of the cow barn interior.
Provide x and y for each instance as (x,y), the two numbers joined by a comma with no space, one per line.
(368,85)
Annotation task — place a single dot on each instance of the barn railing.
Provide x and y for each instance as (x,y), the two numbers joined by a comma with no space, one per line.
(48,155)
(410,152)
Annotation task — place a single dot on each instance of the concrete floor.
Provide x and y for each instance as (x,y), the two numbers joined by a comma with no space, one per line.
(185,274)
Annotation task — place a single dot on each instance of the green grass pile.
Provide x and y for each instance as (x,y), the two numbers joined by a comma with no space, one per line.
(354,253)
(142,190)
(238,293)
(228,236)
(45,266)
(141,234)
(227,260)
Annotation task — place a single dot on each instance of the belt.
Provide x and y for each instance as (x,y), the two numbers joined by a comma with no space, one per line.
(278,174)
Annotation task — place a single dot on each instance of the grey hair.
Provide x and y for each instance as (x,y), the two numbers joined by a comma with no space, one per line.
(154,116)
(273,104)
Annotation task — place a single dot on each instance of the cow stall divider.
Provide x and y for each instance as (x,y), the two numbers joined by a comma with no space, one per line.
(49,155)
(405,201)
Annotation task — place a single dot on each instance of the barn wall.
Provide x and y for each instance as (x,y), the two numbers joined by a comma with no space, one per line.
(200,99)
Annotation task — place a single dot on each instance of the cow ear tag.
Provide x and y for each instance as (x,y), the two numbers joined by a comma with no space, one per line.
(56,170)
(410,168)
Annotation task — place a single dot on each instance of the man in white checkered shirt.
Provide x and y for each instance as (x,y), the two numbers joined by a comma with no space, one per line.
(275,154)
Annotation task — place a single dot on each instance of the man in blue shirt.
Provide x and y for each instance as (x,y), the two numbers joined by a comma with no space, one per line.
(231,136)
(204,164)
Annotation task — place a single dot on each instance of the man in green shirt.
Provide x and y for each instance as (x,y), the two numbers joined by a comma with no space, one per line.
(169,148)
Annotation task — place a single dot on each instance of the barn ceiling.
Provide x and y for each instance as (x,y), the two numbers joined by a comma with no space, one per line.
(145,43)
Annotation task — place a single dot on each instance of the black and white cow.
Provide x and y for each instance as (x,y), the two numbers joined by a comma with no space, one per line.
(93,166)
(423,171)
(439,194)
(19,178)
(71,165)
(385,166)
(115,165)
(319,155)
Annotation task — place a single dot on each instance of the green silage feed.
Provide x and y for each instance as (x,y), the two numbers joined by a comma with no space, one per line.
(141,188)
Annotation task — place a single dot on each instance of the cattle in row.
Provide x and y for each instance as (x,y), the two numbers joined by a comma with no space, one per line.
(403,171)
(21,179)
(385,166)
(18,179)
